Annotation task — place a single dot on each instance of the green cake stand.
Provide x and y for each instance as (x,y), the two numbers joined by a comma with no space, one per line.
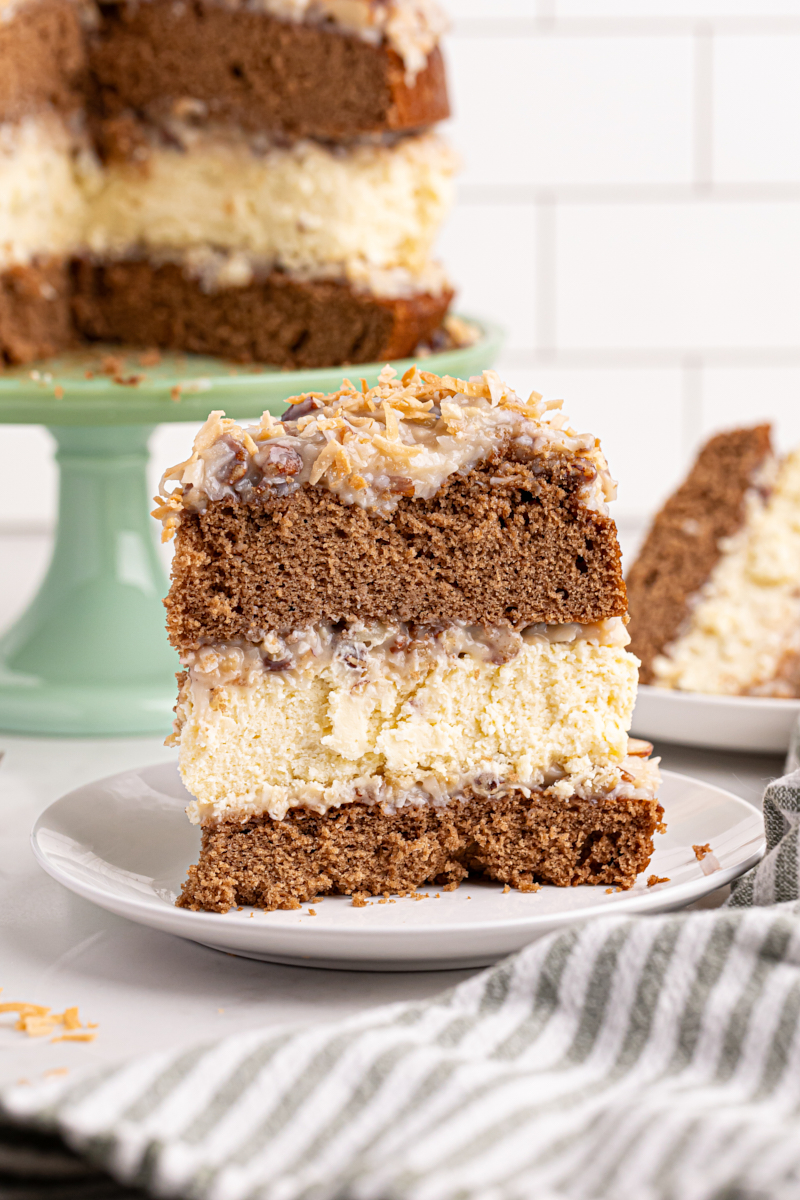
(90,655)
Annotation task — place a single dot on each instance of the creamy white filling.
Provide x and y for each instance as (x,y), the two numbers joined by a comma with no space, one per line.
(216,270)
(745,622)
(400,438)
(43,171)
(368,651)
(358,727)
(369,213)
(228,209)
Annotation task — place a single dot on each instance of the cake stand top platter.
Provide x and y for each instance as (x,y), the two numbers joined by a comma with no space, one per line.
(104,386)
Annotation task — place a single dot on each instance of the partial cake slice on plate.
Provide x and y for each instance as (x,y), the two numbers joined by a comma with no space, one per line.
(401,616)
(715,591)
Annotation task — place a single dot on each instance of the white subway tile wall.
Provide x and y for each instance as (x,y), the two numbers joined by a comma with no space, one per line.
(629,210)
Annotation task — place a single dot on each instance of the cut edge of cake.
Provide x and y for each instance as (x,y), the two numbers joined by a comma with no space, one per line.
(384,672)
(714,593)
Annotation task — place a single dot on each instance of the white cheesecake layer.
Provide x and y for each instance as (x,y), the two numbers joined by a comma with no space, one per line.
(227,210)
(369,213)
(745,623)
(555,713)
(42,190)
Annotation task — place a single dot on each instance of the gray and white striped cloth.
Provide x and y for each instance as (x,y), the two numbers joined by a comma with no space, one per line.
(626,1057)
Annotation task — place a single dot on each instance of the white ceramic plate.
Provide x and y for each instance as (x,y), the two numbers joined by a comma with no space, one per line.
(757,723)
(124,843)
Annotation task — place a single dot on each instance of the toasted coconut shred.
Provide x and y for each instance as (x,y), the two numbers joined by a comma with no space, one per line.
(37,1020)
(374,446)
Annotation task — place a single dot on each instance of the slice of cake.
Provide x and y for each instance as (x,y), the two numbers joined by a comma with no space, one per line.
(259,181)
(714,594)
(401,617)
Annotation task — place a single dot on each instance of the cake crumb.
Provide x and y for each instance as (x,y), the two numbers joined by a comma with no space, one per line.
(58,392)
(74,1037)
(111,365)
(359,900)
(175,393)
(312,912)
(220,1011)
(54,1071)
(150,358)
(701,851)
(506,889)
(609,891)
(652,880)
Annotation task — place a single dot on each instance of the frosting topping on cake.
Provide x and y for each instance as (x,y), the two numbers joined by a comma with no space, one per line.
(365,651)
(374,446)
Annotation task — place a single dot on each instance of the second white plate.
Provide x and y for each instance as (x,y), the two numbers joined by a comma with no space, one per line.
(756,723)
(125,844)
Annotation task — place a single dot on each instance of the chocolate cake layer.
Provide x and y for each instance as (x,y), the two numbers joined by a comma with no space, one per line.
(277,320)
(360,850)
(255,71)
(42,59)
(482,550)
(34,312)
(683,544)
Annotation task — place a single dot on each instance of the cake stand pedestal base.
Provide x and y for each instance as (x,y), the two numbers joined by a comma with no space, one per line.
(89,655)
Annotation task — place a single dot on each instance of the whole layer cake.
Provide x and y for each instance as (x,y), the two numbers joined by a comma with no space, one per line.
(256,180)
(715,591)
(401,617)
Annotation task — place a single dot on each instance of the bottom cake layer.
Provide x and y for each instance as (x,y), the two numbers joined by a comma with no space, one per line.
(35,319)
(358,849)
(47,307)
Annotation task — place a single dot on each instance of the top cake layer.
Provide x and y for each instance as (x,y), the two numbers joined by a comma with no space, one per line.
(423,500)
(42,57)
(325,69)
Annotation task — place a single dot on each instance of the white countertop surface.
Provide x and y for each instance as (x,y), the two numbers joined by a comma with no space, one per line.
(145,989)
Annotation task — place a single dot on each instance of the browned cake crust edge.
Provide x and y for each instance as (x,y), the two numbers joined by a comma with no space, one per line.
(277,319)
(474,552)
(683,544)
(257,72)
(359,850)
(42,59)
(52,305)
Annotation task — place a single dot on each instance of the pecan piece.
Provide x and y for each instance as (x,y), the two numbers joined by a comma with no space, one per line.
(400,485)
(235,468)
(280,462)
